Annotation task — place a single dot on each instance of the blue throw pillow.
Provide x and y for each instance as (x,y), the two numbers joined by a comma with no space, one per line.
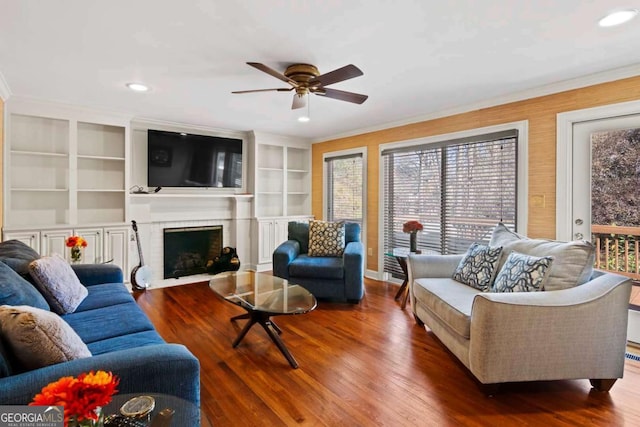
(17,255)
(15,290)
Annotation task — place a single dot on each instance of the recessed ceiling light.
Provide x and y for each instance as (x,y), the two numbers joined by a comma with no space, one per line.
(303,119)
(618,17)
(138,87)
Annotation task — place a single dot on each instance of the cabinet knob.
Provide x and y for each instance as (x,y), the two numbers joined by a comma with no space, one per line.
(45,235)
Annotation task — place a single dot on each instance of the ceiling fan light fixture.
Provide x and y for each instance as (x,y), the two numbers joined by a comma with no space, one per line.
(618,17)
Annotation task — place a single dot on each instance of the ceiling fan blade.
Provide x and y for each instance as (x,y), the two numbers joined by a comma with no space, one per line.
(341,95)
(273,73)
(341,74)
(298,101)
(263,90)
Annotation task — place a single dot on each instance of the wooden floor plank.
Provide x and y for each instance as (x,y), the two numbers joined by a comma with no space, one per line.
(361,365)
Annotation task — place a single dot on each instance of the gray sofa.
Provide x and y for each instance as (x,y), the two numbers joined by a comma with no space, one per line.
(118,334)
(574,329)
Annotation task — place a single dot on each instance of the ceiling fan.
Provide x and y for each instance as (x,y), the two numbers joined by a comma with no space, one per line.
(306,78)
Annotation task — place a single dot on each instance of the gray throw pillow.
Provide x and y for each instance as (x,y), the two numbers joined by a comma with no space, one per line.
(478,267)
(39,338)
(58,283)
(572,261)
(522,273)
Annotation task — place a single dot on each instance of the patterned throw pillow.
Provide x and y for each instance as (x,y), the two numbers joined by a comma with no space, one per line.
(522,273)
(478,267)
(326,238)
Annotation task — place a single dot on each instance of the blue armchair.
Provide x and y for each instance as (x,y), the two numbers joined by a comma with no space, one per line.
(336,278)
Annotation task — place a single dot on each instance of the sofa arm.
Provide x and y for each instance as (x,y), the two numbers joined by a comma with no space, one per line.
(282,257)
(162,368)
(432,265)
(95,274)
(353,259)
(567,334)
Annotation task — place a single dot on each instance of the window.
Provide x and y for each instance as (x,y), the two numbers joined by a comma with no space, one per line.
(458,189)
(345,187)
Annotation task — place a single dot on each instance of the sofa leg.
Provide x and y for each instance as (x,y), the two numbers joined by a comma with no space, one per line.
(418,321)
(603,385)
(490,390)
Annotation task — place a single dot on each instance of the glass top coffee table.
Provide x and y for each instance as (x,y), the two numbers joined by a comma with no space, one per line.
(263,296)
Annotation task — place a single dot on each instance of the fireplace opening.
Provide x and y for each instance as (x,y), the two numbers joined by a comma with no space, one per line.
(190,250)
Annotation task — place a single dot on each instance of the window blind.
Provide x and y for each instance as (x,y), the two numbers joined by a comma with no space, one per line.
(345,188)
(457,189)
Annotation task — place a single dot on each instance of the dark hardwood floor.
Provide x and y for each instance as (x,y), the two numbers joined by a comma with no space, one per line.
(361,365)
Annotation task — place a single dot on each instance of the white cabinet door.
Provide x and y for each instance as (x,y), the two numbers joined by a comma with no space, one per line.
(266,236)
(30,238)
(93,253)
(116,241)
(53,242)
(281,232)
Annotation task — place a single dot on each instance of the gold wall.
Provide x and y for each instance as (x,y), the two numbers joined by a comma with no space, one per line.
(541,114)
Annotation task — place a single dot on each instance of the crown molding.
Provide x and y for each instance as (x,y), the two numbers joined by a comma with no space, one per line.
(144,123)
(5,92)
(562,86)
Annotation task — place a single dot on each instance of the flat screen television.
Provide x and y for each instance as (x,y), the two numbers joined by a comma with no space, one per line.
(184,160)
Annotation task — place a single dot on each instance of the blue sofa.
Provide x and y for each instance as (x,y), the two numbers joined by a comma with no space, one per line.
(117,332)
(334,278)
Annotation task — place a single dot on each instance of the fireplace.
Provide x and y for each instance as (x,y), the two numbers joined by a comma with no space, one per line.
(190,250)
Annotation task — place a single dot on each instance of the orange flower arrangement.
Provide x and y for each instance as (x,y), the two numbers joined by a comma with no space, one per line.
(75,243)
(81,397)
(411,227)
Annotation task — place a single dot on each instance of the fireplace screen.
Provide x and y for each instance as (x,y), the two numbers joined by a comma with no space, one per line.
(190,250)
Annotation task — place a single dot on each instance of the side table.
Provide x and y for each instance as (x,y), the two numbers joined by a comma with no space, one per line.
(401,255)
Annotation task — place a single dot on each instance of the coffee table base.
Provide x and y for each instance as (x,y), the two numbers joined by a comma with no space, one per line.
(264,319)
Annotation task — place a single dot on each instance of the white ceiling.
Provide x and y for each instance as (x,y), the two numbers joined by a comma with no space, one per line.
(419,57)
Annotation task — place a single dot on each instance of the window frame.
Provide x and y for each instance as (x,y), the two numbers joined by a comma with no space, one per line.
(341,153)
(522,176)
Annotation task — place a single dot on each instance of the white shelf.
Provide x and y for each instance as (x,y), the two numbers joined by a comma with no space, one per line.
(115,159)
(98,190)
(188,196)
(298,193)
(38,153)
(271,169)
(39,189)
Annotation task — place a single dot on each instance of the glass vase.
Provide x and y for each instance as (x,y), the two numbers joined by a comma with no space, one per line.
(413,241)
(76,255)
(87,422)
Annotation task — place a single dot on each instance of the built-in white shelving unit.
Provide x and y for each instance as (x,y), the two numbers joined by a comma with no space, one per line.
(66,173)
(282,191)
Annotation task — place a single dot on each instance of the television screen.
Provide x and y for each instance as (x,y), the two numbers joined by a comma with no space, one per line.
(184,160)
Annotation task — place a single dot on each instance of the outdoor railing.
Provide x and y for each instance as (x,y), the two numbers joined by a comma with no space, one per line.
(617,249)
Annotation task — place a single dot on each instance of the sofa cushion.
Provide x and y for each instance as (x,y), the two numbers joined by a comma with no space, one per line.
(326,238)
(58,283)
(299,231)
(15,290)
(38,337)
(108,322)
(522,273)
(572,261)
(448,300)
(124,342)
(17,255)
(478,267)
(319,267)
